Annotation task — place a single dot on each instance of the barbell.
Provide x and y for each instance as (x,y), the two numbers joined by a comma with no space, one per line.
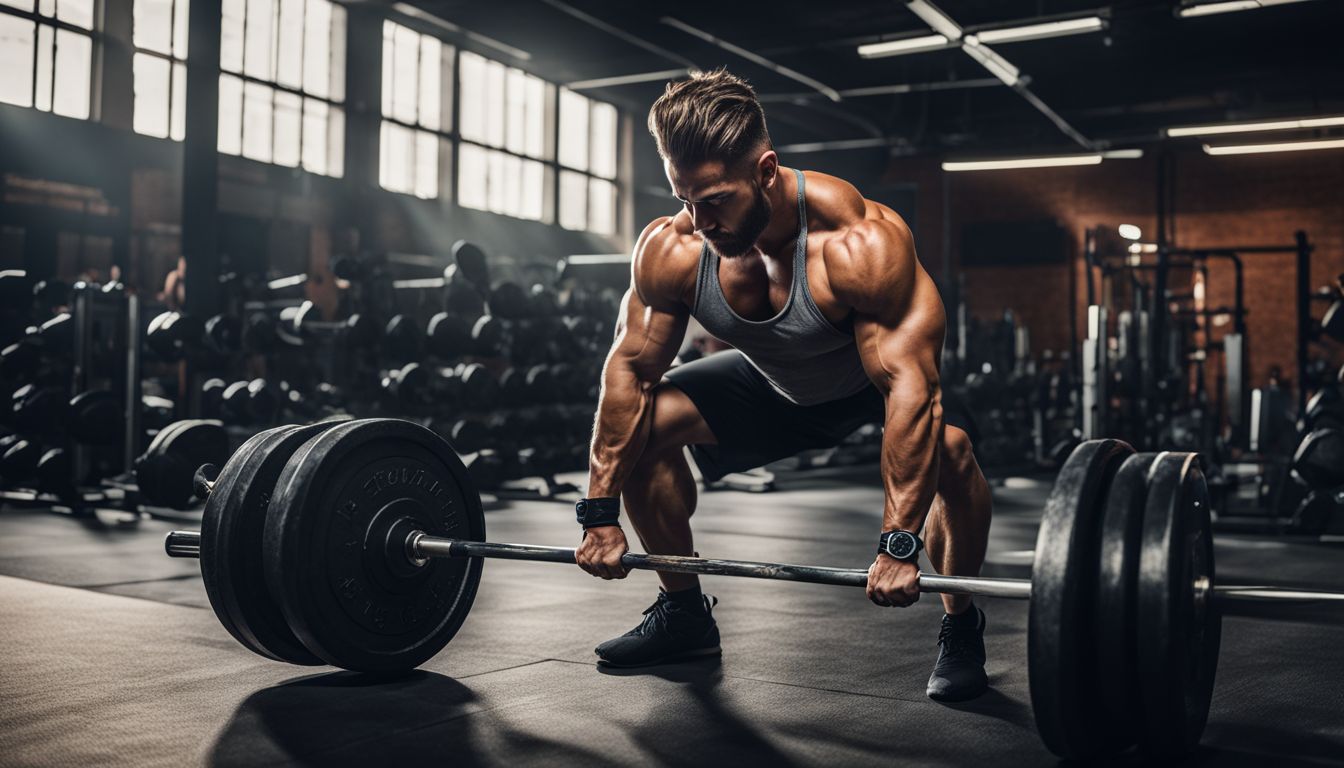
(360,544)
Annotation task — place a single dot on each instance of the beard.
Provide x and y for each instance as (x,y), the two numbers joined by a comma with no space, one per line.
(740,241)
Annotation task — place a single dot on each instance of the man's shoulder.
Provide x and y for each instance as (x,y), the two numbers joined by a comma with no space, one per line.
(665,257)
(870,259)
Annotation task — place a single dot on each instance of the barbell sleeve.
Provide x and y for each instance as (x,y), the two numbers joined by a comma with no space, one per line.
(183,544)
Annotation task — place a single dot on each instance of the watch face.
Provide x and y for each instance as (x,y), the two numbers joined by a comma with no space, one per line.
(901,545)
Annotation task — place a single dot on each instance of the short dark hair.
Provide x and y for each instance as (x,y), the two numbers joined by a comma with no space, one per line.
(712,116)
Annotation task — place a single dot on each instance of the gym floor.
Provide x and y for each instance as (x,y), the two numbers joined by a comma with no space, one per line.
(114,657)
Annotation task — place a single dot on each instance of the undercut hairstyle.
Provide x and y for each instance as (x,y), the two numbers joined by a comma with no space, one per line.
(712,116)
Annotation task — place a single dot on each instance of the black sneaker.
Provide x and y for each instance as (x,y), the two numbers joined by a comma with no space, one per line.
(959,673)
(668,633)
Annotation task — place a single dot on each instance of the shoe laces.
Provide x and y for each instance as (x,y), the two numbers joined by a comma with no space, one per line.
(659,614)
(957,639)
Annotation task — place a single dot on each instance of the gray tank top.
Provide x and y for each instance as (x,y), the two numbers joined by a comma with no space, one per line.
(803,356)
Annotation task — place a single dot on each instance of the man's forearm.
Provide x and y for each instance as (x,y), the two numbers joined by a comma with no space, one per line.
(622,429)
(910,440)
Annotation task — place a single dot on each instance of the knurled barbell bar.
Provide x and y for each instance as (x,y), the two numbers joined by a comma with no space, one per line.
(360,544)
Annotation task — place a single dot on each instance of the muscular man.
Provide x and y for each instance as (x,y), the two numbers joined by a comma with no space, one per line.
(834,323)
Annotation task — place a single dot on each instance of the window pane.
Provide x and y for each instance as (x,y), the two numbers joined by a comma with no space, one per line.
(471,173)
(287,106)
(180,16)
(515,124)
(257,122)
(396,152)
(177,129)
(259,41)
(336,44)
(426,165)
(472,100)
(153,25)
(23,5)
(336,143)
(76,12)
(573,129)
(46,39)
(494,108)
(230,115)
(317,49)
(497,186)
(74,61)
(406,67)
(315,132)
(533,203)
(602,158)
(231,36)
(431,64)
(388,44)
(289,53)
(151,94)
(601,207)
(536,117)
(573,200)
(16,60)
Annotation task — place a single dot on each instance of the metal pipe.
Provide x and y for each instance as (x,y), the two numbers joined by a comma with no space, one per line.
(183,544)
(421,545)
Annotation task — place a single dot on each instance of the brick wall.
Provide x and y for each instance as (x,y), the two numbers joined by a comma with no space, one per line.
(1231,200)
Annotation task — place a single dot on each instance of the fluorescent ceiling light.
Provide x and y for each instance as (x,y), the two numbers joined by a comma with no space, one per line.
(1284,146)
(1272,125)
(1041,31)
(1122,154)
(1130,231)
(1228,6)
(907,45)
(935,18)
(1022,162)
(996,64)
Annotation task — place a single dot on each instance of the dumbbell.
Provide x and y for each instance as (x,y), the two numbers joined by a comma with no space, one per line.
(223,334)
(54,473)
(302,325)
(249,402)
(19,458)
(164,471)
(402,339)
(172,335)
(510,301)
(37,408)
(95,417)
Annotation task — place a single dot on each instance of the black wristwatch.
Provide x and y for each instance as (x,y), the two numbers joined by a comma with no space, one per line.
(594,512)
(901,545)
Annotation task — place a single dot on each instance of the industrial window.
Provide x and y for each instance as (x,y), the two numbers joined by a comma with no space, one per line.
(46,55)
(282,89)
(160,39)
(502,161)
(417,111)
(587,157)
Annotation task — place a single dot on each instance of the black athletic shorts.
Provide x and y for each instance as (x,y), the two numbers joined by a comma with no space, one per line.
(756,425)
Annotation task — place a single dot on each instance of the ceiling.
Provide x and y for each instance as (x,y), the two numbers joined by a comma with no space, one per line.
(1112,89)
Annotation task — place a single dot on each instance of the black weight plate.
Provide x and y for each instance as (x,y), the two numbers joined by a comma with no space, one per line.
(1060,646)
(1117,572)
(335,544)
(1178,630)
(231,544)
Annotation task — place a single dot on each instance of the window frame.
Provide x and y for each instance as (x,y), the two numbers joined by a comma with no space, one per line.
(298,91)
(173,63)
(96,41)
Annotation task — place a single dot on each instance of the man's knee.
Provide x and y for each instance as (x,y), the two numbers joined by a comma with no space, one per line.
(676,422)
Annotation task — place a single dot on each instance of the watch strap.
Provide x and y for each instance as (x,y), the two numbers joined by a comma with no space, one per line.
(605,510)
